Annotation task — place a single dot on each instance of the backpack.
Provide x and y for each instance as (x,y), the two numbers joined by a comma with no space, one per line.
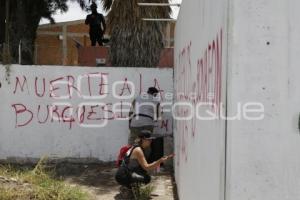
(124,175)
(122,153)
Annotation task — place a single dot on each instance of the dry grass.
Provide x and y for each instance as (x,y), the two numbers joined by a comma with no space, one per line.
(36,184)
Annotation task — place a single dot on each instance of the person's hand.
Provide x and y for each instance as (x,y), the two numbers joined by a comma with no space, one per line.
(164,158)
(171,155)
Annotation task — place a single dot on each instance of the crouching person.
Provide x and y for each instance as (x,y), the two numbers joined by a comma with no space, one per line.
(134,168)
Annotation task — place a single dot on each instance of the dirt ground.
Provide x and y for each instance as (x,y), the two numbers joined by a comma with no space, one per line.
(98,181)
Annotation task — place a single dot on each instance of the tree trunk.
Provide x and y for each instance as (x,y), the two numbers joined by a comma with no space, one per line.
(2,28)
(24,19)
(2,21)
(23,25)
(138,46)
(134,42)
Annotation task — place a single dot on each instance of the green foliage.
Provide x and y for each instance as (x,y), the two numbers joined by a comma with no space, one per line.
(24,18)
(142,192)
(37,184)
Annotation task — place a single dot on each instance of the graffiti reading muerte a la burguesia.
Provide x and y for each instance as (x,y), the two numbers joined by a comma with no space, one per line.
(59,92)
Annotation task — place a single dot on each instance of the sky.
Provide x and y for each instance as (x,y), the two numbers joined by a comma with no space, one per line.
(76,13)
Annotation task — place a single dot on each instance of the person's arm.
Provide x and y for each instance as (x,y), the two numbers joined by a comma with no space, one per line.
(139,155)
(103,23)
(87,20)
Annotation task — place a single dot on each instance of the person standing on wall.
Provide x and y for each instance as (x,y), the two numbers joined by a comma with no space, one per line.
(97,25)
(145,111)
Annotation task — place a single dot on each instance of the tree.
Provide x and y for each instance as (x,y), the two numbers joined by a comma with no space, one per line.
(24,18)
(2,21)
(134,42)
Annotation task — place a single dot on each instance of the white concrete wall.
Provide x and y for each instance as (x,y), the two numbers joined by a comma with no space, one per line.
(23,137)
(262,159)
(200,57)
(264,45)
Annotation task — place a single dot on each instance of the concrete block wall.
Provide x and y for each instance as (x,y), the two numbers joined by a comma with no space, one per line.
(87,56)
(200,77)
(59,111)
(263,156)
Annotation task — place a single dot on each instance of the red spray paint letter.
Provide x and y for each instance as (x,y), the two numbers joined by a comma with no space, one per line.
(21,109)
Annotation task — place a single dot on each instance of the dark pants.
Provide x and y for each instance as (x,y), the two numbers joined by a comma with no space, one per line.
(137,177)
(96,37)
(127,177)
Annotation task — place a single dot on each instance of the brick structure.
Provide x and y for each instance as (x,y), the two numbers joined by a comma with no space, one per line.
(57,44)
